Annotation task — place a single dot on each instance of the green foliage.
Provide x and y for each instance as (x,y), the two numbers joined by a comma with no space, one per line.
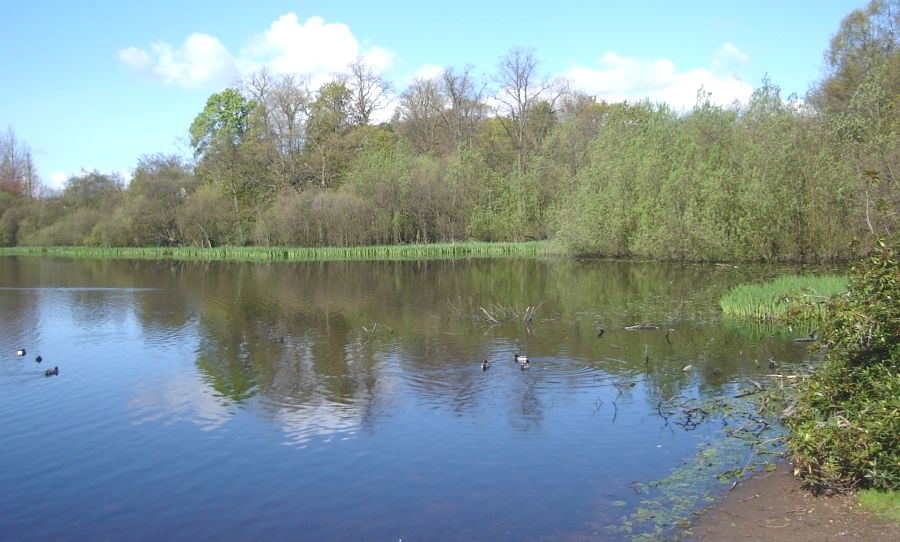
(769,180)
(223,122)
(866,38)
(846,426)
(786,299)
(753,183)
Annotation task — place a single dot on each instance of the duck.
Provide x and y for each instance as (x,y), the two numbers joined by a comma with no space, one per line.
(52,372)
(20,352)
(485,365)
(521,358)
(38,359)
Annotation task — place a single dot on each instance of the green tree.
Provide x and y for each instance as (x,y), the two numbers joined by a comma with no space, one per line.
(230,158)
(160,186)
(222,123)
(329,144)
(866,38)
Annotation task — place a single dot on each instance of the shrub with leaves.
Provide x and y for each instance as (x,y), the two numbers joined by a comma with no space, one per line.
(845,431)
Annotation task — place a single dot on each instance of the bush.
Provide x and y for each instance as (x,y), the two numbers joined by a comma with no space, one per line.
(845,431)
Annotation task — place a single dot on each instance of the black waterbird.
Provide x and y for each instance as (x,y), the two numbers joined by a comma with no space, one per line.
(52,372)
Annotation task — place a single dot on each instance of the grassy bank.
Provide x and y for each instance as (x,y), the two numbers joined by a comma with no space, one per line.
(292,254)
(885,504)
(789,297)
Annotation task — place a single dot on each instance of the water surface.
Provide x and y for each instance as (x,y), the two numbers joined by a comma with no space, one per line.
(346,400)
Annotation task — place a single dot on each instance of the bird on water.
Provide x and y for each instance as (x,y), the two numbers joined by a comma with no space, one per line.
(52,372)
(20,352)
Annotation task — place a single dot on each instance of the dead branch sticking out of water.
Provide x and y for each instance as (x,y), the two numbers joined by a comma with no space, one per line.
(646,326)
(490,316)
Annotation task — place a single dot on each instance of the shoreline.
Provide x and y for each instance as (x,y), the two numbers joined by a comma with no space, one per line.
(773,506)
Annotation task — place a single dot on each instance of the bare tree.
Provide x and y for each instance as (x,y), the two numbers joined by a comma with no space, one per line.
(465,106)
(419,114)
(371,91)
(17,172)
(281,115)
(520,91)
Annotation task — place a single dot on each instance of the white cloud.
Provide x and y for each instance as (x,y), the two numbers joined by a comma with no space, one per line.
(618,78)
(58,179)
(730,58)
(313,48)
(135,58)
(427,72)
(201,61)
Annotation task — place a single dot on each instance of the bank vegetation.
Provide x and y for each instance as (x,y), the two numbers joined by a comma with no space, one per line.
(511,157)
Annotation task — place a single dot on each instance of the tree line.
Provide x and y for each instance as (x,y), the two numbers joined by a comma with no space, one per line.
(521,157)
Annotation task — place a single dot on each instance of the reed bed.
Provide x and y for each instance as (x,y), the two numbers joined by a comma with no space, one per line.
(293,254)
(786,298)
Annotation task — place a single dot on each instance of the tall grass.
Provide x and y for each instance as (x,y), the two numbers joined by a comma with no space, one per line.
(290,254)
(786,298)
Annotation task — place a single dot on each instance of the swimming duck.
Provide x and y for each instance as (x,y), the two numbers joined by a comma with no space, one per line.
(52,372)
(521,358)
(20,352)
(38,359)
(485,365)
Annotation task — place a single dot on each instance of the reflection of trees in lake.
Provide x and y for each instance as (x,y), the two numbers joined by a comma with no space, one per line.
(350,325)
(356,332)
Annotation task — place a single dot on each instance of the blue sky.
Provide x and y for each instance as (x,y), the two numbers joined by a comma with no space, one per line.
(98,84)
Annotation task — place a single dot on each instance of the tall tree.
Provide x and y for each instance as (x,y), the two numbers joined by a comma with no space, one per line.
(222,123)
(279,122)
(867,38)
(328,128)
(418,115)
(859,98)
(160,186)
(465,106)
(521,89)
(370,91)
(17,172)
(230,159)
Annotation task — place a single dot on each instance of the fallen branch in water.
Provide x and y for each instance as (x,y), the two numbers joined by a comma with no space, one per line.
(489,316)
(646,326)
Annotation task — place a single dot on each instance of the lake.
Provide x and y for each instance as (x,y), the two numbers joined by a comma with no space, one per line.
(347,400)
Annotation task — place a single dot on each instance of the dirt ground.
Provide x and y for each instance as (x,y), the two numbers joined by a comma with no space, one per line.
(773,506)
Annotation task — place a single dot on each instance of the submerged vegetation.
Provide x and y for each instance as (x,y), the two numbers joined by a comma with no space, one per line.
(845,425)
(277,163)
(265,254)
(786,299)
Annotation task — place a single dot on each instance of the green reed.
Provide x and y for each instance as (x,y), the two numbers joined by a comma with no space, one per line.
(786,298)
(292,254)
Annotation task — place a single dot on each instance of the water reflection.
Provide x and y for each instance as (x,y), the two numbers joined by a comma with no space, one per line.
(380,363)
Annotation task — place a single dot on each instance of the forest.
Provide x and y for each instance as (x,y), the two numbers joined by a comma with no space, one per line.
(512,157)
